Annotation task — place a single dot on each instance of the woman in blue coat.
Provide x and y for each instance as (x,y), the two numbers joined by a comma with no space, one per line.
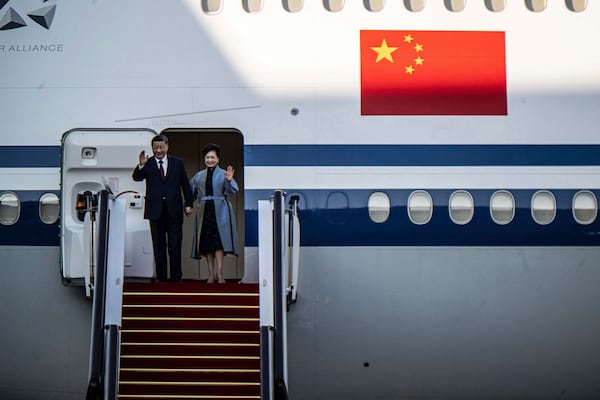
(214,230)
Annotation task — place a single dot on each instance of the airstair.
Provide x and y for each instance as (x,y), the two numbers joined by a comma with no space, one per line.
(193,340)
(190,340)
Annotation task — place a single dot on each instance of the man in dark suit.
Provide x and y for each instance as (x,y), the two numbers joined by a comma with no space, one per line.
(166,180)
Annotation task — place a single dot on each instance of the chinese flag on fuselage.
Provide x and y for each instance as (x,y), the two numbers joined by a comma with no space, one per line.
(432,73)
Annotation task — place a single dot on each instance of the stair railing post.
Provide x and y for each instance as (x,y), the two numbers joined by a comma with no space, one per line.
(265,279)
(294,246)
(273,282)
(107,299)
(94,389)
(280,288)
(115,260)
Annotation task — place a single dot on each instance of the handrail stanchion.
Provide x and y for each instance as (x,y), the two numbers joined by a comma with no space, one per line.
(274,258)
(265,279)
(294,256)
(107,300)
(114,296)
(280,279)
(94,389)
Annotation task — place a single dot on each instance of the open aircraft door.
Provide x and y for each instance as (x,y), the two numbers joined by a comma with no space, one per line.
(93,160)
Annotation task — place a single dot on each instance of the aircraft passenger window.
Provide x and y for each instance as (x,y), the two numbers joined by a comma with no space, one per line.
(292,5)
(420,207)
(338,205)
(461,207)
(333,5)
(455,5)
(495,5)
(414,5)
(543,207)
(211,6)
(577,5)
(536,5)
(10,208)
(502,207)
(374,5)
(252,6)
(49,208)
(585,207)
(379,207)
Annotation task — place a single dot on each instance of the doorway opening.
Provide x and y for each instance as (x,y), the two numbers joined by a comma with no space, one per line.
(187,143)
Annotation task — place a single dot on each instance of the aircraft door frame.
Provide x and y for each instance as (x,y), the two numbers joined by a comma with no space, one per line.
(94,159)
(187,143)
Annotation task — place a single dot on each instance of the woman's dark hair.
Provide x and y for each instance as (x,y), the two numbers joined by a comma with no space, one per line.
(211,147)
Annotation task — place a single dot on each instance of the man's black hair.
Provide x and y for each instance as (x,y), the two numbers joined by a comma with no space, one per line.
(160,138)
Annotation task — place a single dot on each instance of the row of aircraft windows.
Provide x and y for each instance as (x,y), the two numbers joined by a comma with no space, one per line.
(293,6)
(461,207)
(10,208)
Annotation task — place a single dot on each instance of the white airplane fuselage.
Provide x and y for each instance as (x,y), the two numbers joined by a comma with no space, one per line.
(443,256)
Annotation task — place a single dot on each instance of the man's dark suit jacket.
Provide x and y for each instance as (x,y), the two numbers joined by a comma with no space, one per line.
(170,189)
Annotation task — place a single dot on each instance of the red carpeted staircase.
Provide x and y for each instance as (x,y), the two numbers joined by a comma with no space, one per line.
(190,340)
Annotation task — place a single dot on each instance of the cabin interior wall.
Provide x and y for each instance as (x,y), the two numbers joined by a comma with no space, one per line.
(188,144)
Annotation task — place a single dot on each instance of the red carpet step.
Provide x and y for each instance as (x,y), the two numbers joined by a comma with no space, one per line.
(190,340)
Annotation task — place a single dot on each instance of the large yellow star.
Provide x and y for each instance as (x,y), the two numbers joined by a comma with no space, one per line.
(384,51)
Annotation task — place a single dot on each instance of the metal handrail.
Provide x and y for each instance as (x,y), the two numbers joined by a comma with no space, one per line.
(278,234)
(96,369)
(294,246)
(279,286)
(107,300)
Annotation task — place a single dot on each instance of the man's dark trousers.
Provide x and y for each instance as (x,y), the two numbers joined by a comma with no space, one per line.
(166,232)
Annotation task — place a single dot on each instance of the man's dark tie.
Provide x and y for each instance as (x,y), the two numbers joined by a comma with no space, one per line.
(162,170)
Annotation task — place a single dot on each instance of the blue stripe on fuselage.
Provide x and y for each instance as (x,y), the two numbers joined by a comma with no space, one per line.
(29,156)
(326,224)
(421,155)
(363,155)
(341,218)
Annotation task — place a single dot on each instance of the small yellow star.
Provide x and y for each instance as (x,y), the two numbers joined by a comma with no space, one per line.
(408,38)
(418,47)
(384,51)
(409,69)
(419,61)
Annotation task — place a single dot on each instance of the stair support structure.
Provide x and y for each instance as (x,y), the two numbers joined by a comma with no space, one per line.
(111,359)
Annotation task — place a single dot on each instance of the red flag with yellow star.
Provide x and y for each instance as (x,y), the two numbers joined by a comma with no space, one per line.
(432,73)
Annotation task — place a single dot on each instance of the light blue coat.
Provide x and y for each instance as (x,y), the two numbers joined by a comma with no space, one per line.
(223,209)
